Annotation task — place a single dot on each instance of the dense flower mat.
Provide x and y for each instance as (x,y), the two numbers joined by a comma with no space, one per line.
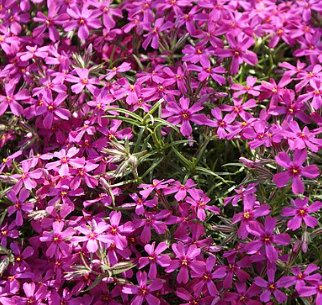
(160,152)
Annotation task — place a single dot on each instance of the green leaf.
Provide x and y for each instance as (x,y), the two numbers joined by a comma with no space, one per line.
(121,267)
(188,164)
(96,282)
(211,173)
(133,115)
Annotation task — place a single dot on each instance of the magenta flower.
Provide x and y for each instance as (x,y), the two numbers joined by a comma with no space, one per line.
(152,220)
(194,299)
(274,91)
(179,189)
(239,52)
(27,177)
(82,81)
(34,52)
(84,20)
(271,287)
(93,236)
(243,296)
(57,240)
(291,108)
(249,88)
(156,186)
(20,257)
(186,260)
(207,276)
(295,169)
(33,295)
(300,139)
(183,114)
(206,70)
(300,213)
(50,22)
(19,205)
(8,231)
(239,108)
(144,291)
(116,231)
(316,289)
(108,12)
(199,202)
(122,68)
(196,54)
(252,210)
(221,123)
(154,258)
(82,174)
(153,36)
(140,203)
(266,238)
(11,99)
(300,277)
(66,159)
(234,267)
(241,193)
(51,109)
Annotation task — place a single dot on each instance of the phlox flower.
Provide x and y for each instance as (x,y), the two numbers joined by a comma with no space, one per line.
(154,258)
(300,213)
(186,259)
(295,169)
(266,238)
(143,292)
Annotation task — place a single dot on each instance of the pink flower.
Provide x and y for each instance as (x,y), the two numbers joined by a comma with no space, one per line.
(82,81)
(295,169)
(57,240)
(19,205)
(50,22)
(84,20)
(66,159)
(300,211)
(199,201)
(144,292)
(27,177)
(252,210)
(51,109)
(10,100)
(249,88)
(271,287)
(34,52)
(266,238)
(183,114)
(117,232)
(153,36)
(122,68)
(179,189)
(300,139)
(206,70)
(154,258)
(140,203)
(93,236)
(239,52)
(186,260)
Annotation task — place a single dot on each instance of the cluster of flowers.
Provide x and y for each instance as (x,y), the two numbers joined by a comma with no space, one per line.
(93,91)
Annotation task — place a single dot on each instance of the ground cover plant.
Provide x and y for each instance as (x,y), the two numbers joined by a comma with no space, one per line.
(160,152)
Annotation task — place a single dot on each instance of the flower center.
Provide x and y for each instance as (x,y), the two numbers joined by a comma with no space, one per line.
(302,212)
(246,215)
(272,287)
(184,262)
